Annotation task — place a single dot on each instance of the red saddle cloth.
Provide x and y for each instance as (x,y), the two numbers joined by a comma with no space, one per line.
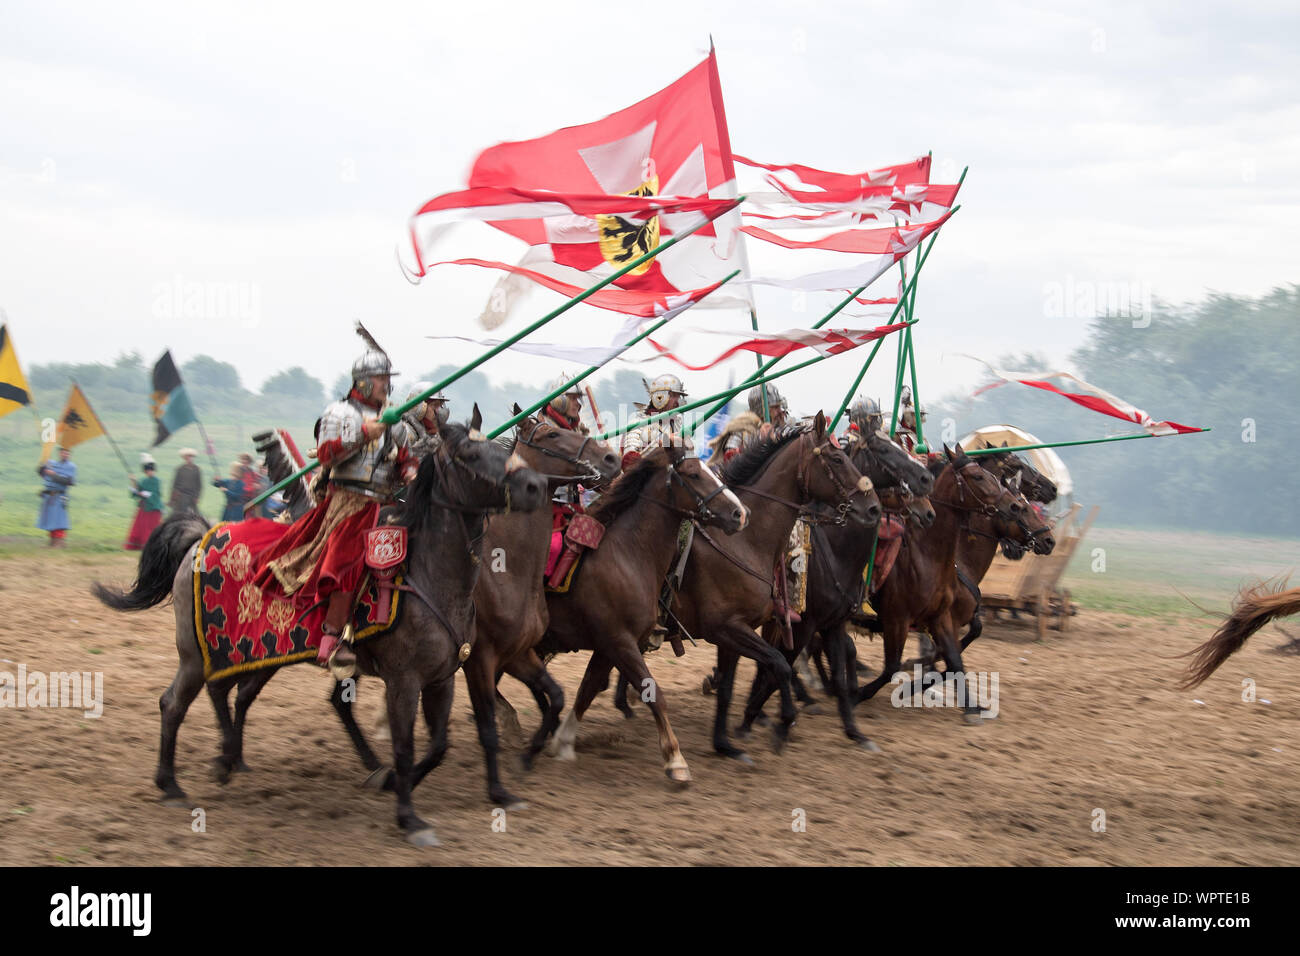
(889,543)
(573,533)
(244,627)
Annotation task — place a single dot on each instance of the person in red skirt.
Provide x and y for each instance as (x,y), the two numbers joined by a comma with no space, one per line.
(148,492)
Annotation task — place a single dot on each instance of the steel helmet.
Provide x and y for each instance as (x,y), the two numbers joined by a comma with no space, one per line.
(572,391)
(662,388)
(419,411)
(775,400)
(866,414)
(371,362)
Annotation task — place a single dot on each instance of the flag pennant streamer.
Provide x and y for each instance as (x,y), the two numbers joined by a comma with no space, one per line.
(673,143)
(693,349)
(77,424)
(14,390)
(1092,398)
(170,402)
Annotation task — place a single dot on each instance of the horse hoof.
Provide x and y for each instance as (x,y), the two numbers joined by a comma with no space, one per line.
(566,752)
(972,719)
(628,714)
(511,804)
(814,708)
(679,776)
(219,770)
(778,743)
(762,720)
(869,745)
(742,732)
(423,838)
(242,767)
(707,687)
(378,779)
(181,803)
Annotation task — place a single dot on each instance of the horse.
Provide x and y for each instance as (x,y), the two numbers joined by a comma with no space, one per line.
(612,604)
(835,577)
(728,591)
(1252,609)
(510,603)
(919,592)
(417,659)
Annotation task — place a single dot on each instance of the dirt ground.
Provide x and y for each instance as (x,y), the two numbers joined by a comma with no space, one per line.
(1089,721)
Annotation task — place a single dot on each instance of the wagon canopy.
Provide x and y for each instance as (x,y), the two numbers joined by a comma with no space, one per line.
(1045,460)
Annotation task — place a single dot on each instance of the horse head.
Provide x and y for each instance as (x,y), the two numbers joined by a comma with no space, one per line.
(695,489)
(562,454)
(827,475)
(470,473)
(976,489)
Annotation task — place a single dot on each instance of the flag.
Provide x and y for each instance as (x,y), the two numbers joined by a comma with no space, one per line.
(1092,398)
(14,391)
(692,348)
(171,403)
(78,423)
(673,143)
(897,241)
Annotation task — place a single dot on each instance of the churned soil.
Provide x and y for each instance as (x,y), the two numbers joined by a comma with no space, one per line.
(1092,730)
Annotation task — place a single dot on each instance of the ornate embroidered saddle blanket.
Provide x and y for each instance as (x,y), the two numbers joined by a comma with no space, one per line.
(241,627)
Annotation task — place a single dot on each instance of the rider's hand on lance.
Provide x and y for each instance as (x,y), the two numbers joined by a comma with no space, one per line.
(373,429)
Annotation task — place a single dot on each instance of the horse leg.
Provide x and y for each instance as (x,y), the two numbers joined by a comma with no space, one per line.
(620,698)
(341,699)
(728,657)
(245,693)
(436,703)
(895,636)
(633,667)
(594,680)
(972,712)
(224,763)
(549,695)
(481,678)
(837,644)
(976,629)
(403,696)
(173,704)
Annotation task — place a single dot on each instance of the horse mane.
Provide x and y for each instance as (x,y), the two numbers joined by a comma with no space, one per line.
(749,464)
(414,513)
(627,488)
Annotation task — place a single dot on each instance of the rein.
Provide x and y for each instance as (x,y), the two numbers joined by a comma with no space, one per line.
(592,476)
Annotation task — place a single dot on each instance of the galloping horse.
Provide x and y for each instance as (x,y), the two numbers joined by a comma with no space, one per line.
(612,604)
(919,593)
(444,514)
(835,575)
(727,592)
(510,602)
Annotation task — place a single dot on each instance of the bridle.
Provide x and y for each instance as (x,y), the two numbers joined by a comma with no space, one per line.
(844,492)
(593,475)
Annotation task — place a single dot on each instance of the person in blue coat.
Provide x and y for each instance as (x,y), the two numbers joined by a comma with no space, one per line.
(58,476)
(236,492)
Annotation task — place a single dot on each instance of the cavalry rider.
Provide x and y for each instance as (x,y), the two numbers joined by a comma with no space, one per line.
(321,557)
(747,426)
(425,421)
(666,393)
(906,431)
(865,418)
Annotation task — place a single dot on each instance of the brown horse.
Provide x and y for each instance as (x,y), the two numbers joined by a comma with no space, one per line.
(613,603)
(1253,608)
(919,593)
(510,602)
(728,593)
(444,514)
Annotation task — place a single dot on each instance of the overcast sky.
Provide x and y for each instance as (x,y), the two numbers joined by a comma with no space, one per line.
(276,150)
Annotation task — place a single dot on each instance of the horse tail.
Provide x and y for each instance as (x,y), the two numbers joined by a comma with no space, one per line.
(1252,610)
(161,556)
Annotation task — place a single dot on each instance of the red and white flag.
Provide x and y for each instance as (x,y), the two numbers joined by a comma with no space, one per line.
(895,241)
(696,349)
(1092,398)
(892,191)
(672,144)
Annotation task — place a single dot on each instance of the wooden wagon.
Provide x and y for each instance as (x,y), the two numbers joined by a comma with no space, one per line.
(1032,585)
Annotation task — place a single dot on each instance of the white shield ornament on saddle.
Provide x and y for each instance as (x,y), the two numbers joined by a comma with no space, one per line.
(385,552)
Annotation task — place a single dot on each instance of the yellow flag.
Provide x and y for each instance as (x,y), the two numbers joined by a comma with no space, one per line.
(79,423)
(14,392)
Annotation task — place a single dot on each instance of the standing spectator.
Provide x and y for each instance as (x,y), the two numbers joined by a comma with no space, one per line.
(187,485)
(148,492)
(58,477)
(236,490)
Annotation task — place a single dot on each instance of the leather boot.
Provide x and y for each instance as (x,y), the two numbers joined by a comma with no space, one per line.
(332,648)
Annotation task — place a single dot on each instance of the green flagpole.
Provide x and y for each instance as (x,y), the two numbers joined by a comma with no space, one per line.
(752,380)
(540,403)
(848,396)
(392,415)
(723,397)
